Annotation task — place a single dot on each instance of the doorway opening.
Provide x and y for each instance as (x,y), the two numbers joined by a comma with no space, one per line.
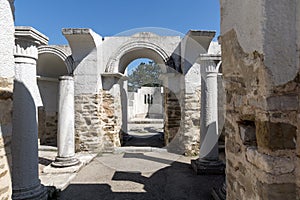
(145,110)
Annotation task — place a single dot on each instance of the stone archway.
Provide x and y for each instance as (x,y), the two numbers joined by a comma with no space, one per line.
(99,84)
(119,61)
(53,62)
(133,50)
(140,45)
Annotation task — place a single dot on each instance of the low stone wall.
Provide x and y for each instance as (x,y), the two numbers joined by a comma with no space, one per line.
(261,127)
(6,86)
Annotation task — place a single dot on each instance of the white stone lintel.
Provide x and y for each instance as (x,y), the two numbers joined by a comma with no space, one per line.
(30,34)
(202,37)
(76,31)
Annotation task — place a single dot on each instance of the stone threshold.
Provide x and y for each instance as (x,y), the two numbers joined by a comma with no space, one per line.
(133,149)
(146,121)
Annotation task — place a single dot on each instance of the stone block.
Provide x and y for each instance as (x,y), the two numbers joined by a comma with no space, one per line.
(283,103)
(270,164)
(248,134)
(276,191)
(232,146)
(275,136)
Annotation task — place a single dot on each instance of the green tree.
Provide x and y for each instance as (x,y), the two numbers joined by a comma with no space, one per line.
(145,74)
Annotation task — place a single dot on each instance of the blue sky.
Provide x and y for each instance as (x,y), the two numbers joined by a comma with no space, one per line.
(109,18)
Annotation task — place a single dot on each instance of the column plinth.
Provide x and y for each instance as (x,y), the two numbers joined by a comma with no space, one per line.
(219,193)
(208,162)
(65,129)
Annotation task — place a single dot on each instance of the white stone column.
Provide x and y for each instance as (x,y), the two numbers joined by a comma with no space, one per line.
(66,126)
(25,174)
(208,162)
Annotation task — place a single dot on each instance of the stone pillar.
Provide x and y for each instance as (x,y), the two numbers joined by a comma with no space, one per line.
(66,126)
(113,110)
(25,175)
(208,162)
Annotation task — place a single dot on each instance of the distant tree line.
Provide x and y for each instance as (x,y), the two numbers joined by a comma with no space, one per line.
(145,74)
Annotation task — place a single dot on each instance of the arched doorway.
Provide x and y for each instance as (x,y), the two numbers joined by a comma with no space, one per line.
(144,104)
(53,62)
(118,63)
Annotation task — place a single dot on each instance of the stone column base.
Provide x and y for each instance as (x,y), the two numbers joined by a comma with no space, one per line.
(219,193)
(38,192)
(65,162)
(208,167)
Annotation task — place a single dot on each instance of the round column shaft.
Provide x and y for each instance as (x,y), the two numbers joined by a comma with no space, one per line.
(209,115)
(65,129)
(25,174)
(208,162)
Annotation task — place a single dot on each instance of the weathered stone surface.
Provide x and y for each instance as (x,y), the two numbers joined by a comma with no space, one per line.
(283,103)
(191,123)
(96,127)
(275,136)
(276,191)
(85,108)
(248,133)
(270,164)
(261,88)
(5,170)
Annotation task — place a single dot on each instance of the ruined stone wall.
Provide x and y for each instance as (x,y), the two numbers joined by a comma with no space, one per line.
(96,129)
(259,140)
(47,127)
(172,116)
(6,90)
(191,122)
(261,77)
(88,135)
(111,119)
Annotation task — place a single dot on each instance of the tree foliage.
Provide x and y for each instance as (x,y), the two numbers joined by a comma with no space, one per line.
(145,74)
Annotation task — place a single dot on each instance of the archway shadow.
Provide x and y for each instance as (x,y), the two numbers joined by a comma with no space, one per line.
(174,182)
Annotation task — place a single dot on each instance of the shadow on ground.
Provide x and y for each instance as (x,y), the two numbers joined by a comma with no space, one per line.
(177,181)
(156,140)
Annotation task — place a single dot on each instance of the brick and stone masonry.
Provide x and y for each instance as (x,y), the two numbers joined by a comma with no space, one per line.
(261,73)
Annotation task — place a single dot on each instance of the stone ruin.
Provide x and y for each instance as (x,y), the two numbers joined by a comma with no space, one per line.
(260,69)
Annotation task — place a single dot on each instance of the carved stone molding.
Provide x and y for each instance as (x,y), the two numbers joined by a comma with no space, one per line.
(27,39)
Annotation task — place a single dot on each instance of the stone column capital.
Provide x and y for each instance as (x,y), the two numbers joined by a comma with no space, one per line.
(27,39)
(208,65)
